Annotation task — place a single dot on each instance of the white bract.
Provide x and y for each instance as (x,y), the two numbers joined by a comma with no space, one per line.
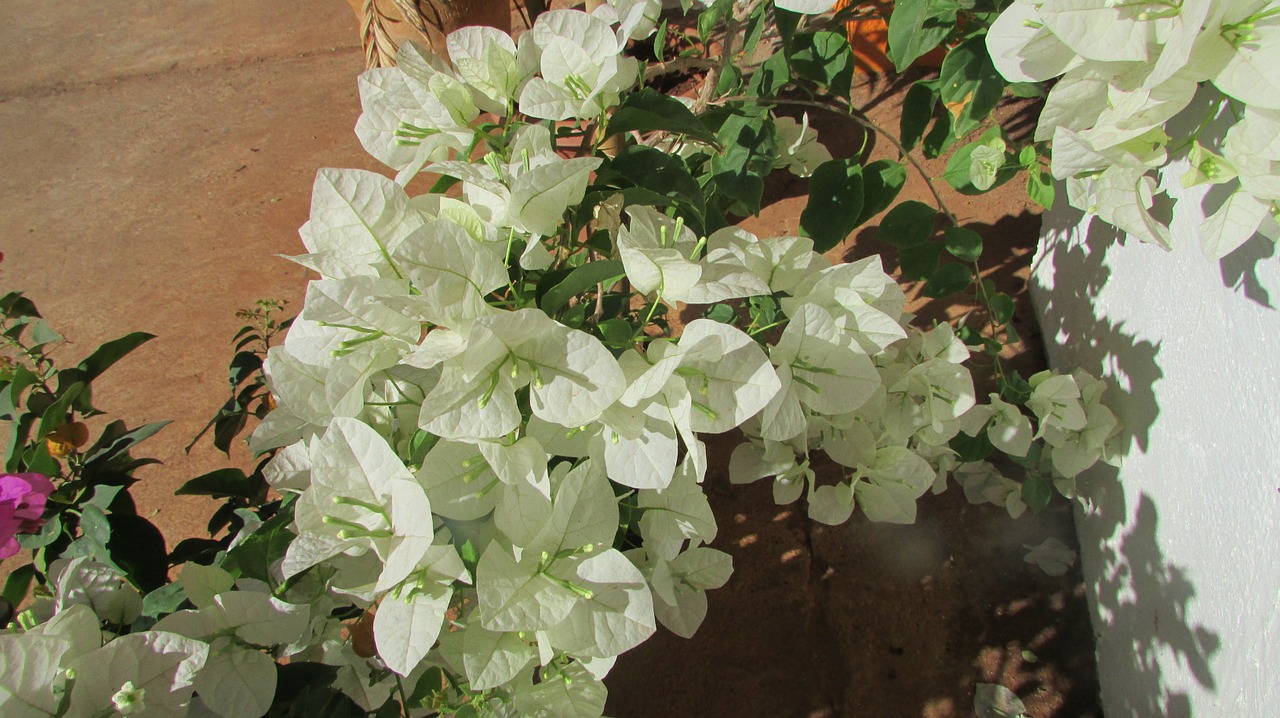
(1126,69)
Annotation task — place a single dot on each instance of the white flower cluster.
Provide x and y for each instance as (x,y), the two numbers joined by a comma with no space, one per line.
(514,501)
(1128,68)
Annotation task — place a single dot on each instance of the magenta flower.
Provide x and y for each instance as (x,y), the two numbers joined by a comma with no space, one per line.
(22,500)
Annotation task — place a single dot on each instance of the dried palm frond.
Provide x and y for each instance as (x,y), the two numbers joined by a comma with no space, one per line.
(379,47)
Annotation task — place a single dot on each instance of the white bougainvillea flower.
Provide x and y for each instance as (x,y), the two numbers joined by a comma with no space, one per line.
(358,218)
(807,7)
(414,113)
(489,62)
(1024,49)
(1247,48)
(865,302)
(1073,450)
(679,586)
(984,484)
(582,73)
(32,681)
(886,490)
(1008,429)
(636,19)
(155,666)
(657,254)
(83,581)
(799,150)
(781,263)
(1098,29)
(676,514)
(821,372)
(531,190)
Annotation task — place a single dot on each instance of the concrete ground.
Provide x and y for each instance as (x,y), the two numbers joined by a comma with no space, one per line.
(156,156)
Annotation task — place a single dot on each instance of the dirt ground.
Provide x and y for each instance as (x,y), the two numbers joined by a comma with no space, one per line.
(158,155)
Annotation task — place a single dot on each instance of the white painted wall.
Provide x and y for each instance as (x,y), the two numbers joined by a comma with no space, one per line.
(1181,544)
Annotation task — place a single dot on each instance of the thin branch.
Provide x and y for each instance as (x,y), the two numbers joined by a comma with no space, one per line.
(868,124)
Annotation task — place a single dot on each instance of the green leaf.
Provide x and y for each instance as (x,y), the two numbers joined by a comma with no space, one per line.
(917,111)
(771,76)
(959,175)
(255,556)
(825,58)
(117,438)
(749,141)
(939,139)
(616,333)
(913,31)
(908,225)
(650,111)
(659,172)
(1036,493)
(729,81)
(94,526)
(963,243)
(1002,308)
(55,414)
(1028,158)
(1040,188)
(722,313)
(588,276)
(660,40)
(18,584)
(110,353)
(16,306)
(50,532)
(137,547)
(712,16)
(42,333)
(882,180)
(200,550)
(219,484)
(1014,389)
(163,600)
(948,279)
(243,365)
(971,448)
(971,86)
(835,203)
(919,261)
(1026,90)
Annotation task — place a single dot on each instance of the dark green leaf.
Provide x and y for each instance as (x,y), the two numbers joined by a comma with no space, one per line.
(1002,308)
(763,310)
(16,306)
(1036,493)
(111,352)
(712,16)
(939,139)
(219,484)
(971,86)
(254,556)
(137,547)
(588,276)
(787,23)
(116,438)
(56,414)
(882,180)
(835,203)
(94,526)
(917,111)
(200,550)
(825,58)
(948,279)
(749,142)
(919,261)
(243,365)
(659,172)
(660,41)
(971,448)
(112,498)
(226,429)
(730,80)
(649,111)
(963,243)
(908,225)
(292,678)
(770,77)
(616,333)
(1014,389)
(913,31)
(18,584)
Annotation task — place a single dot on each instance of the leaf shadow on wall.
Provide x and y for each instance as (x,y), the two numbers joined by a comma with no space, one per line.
(1141,602)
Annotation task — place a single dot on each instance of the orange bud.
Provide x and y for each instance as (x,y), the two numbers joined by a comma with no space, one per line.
(65,439)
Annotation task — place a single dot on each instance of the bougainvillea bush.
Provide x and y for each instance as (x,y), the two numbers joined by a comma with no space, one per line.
(481,439)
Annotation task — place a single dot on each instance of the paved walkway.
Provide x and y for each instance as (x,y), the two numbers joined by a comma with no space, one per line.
(155,156)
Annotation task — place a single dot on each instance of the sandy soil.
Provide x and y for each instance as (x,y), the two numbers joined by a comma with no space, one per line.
(158,155)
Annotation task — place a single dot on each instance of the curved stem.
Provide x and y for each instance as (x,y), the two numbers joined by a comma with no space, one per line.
(868,124)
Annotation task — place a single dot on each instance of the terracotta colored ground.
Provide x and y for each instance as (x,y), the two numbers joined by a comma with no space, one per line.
(156,155)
